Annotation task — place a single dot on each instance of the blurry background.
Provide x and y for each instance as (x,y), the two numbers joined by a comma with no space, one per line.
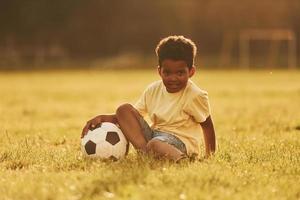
(123,34)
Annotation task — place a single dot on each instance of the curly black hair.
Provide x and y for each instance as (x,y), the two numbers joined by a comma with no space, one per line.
(176,48)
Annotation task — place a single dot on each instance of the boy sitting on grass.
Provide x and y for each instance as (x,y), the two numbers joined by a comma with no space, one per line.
(178,109)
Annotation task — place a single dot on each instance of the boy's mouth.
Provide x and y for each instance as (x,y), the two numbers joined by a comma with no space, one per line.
(173,85)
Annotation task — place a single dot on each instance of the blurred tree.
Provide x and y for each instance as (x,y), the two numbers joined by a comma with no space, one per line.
(94,28)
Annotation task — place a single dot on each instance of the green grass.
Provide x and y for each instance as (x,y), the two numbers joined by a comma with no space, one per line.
(256,116)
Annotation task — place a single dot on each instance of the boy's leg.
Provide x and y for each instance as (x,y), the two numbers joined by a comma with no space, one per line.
(128,119)
(163,149)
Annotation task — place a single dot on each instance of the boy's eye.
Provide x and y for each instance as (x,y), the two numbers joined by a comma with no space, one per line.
(180,73)
(166,73)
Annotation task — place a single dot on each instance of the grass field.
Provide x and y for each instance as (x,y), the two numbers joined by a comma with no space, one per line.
(256,116)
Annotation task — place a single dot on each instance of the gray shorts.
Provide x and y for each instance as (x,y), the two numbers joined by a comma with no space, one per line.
(162,136)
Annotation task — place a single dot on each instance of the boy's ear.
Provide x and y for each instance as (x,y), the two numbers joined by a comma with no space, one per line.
(192,71)
(159,70)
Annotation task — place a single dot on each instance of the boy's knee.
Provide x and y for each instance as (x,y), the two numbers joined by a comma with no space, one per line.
(123,109)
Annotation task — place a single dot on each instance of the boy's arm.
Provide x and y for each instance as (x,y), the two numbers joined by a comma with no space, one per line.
(96,121)
(209,136)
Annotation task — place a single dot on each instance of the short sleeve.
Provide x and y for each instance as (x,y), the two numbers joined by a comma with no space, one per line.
(199,107)
(140,105)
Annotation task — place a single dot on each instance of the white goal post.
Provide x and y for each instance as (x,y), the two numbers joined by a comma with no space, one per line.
(275,36)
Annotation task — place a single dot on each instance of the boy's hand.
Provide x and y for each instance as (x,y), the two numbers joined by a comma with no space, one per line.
(209,136)
(96,122)
(91,125)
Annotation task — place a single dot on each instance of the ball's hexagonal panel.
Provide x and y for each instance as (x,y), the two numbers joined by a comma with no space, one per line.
(104,149)
(90,147)
(107,126)
(98,135)
(112,137)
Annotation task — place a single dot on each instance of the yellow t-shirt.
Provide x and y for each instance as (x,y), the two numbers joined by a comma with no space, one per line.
(176,113)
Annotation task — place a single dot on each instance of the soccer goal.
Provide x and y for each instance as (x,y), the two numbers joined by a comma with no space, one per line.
(275,37)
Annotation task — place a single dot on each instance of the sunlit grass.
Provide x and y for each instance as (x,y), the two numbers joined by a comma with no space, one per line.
(256,116)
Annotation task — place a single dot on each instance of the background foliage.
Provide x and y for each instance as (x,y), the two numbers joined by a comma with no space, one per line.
(99,28)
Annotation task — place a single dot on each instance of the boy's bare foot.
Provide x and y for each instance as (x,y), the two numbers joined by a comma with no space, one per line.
(183,158)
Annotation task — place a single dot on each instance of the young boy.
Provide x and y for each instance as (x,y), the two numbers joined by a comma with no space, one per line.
(178,109)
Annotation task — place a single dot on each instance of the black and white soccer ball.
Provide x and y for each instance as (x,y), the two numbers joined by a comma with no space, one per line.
(106,142)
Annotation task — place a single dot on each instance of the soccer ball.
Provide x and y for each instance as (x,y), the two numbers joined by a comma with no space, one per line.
(106,142)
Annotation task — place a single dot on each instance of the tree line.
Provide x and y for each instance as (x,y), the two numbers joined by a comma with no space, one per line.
(95,28)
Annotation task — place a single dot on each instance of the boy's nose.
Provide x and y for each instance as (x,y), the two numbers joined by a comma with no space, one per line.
(173,77)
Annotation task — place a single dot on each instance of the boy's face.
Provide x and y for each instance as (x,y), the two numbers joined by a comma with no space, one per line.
(175,74)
